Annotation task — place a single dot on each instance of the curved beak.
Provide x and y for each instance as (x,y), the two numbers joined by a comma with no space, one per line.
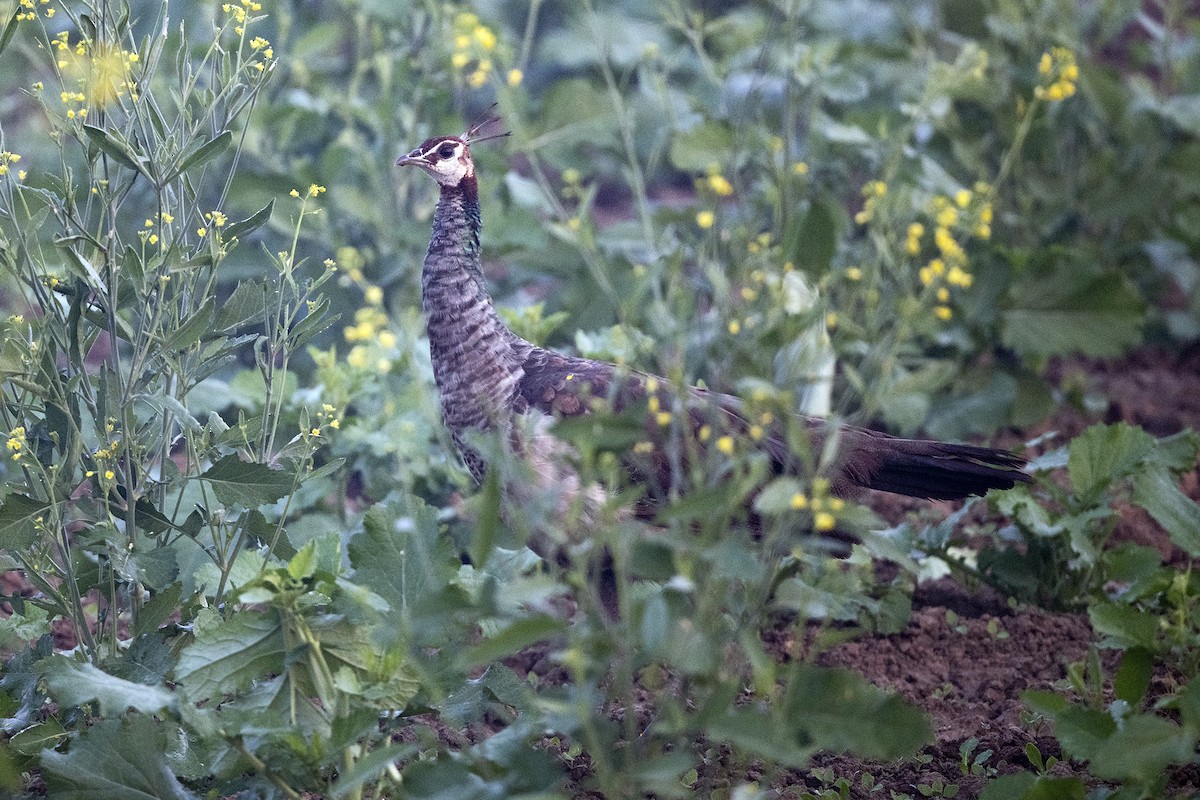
(411,160)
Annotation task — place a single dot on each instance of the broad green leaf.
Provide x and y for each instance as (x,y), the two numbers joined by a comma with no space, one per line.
(73,683)
(114,760)
(758,733)
(1104,454)
(1027,786)
(243,483)
(1157,492)
(1103,318)
(838,710)
(812,243)
(513,638)
(41,736)
(18,521)
(1141,749)
(1132,678)
(1126,626)
(228,655)
(400,554)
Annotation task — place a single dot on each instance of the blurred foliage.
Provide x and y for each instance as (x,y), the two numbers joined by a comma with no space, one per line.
(227,480)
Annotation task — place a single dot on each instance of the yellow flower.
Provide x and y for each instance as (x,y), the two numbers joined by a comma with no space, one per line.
(386,339)
(800,168)
(485,37)
(515,76)
(478,78)
(824,521)
(725,445)
(799,501)
(854,273)
(663,418)
(963,198)
(719,185)
(373,295)
(643,448)
(831,319)
(109,475)
(357,357)
(943,313)
(705,219)
(459,60)
(704,433)
(756,432)
(735,327)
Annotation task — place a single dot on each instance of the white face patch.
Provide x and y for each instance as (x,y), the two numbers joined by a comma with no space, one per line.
(448,161)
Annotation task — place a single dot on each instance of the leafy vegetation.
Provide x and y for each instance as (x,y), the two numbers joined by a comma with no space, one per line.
(244,556)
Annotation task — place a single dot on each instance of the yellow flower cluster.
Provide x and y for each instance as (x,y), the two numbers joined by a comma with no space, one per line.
(99,74)
(238,12)
(715,182)
(1059,74)
(327,417)
(312,191)
(106,454)
(16,442)
(215,219)
(6,160)
(706,219)
(149,235)
(474,43)
(967,214)
(27,10)
(824,508)
(873,191)
(371,335)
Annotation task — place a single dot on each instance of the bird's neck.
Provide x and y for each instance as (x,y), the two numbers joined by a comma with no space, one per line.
(476,359)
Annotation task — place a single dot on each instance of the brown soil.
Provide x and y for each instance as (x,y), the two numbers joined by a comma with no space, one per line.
(968,668)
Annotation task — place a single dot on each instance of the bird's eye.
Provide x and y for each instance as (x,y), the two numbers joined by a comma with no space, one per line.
(446,150)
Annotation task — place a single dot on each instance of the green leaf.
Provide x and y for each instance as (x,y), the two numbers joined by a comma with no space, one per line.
(115,148)
(1027,786)
(247,484)
(250,224)
(369,768)
(1132,678)
(1141,749)
(73,683)
(18,521)
(1103,318)
(205,152)
(9,30)
(839,710)
(228,655)
(41,736)
(1126,626)
(1104,454)
(812,243)
(1157,492)
(400,554)
(705,145)
(193,329)
(513,638)
(114,760)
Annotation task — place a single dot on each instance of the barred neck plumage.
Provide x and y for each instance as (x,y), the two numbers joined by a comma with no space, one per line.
(476,359)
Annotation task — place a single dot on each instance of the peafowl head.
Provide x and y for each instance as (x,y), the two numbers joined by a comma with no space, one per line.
(447,159)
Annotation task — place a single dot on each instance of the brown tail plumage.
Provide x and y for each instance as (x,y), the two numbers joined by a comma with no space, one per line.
(933,470)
